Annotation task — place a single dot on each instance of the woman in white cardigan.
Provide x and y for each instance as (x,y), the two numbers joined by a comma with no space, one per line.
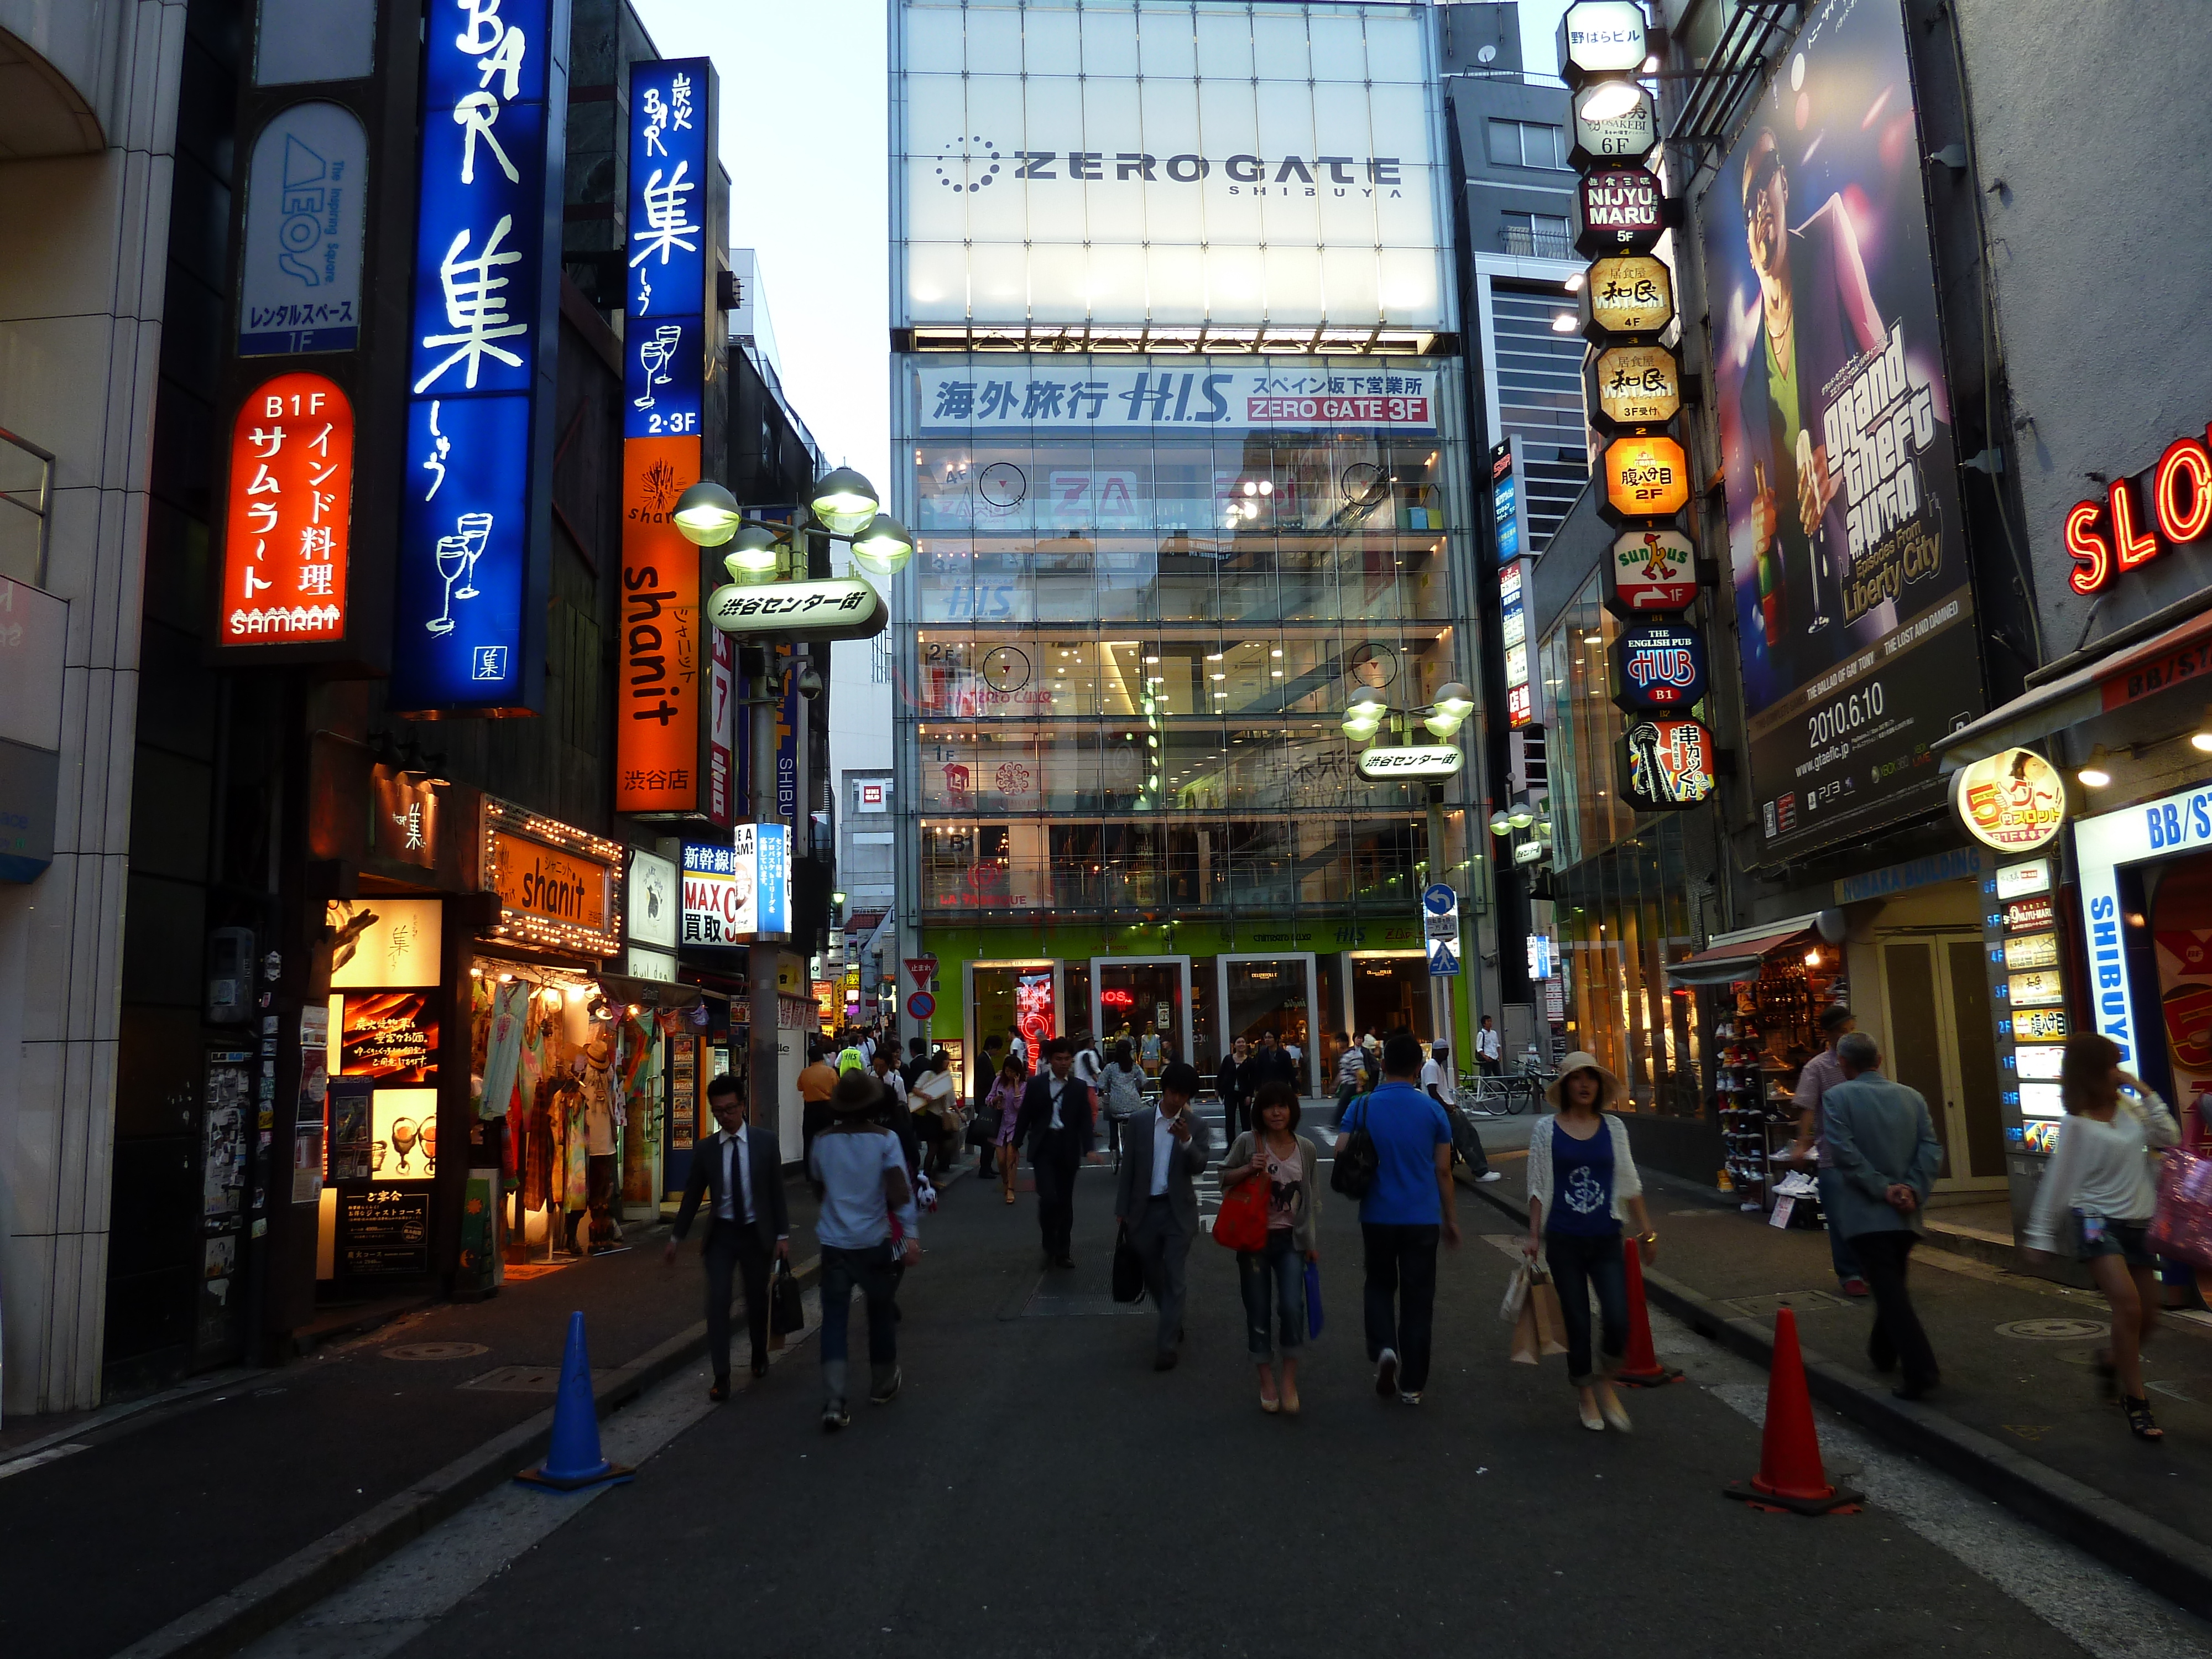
(1582,1183)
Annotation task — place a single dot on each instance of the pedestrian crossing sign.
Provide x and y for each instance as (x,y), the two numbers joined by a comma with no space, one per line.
(1444,959)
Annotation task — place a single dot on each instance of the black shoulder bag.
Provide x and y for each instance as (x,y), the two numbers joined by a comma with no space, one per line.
(1353,1172)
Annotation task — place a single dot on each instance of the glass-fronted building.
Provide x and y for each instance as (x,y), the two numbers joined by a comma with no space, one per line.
(1181,423)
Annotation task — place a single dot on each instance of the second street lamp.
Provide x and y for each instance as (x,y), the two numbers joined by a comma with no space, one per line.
(766,594)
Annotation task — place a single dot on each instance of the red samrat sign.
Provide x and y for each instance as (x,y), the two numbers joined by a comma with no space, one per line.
(291,508)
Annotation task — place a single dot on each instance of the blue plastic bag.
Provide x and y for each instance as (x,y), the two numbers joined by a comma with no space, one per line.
(1313,1299)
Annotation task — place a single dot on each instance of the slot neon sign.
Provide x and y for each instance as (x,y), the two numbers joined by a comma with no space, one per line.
(2106,537)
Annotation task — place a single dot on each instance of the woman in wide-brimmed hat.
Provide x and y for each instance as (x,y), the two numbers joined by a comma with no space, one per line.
(1581,1183)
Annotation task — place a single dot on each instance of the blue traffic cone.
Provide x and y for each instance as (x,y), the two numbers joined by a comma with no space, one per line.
(574,1459)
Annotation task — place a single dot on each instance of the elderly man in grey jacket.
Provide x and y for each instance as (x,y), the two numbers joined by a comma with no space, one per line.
(1162,1149)
(1881,1144)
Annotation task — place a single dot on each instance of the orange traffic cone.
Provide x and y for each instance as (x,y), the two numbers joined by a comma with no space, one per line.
(1641,1369)
(1790,1475)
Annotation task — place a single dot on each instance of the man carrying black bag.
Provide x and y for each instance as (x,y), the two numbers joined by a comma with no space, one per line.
(740,1172)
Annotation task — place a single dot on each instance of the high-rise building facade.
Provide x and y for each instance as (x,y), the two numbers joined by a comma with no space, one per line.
(1181,417)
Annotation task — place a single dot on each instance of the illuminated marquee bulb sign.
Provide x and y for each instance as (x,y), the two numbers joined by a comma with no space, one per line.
(468,628)
(287,529)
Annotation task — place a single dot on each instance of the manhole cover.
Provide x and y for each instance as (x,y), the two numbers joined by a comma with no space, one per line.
(2054,1330)
(436,1351)
(1765,1307)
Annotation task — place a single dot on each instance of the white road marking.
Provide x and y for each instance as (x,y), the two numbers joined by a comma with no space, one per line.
(23,1464)
(2105,1611)
(402,1597)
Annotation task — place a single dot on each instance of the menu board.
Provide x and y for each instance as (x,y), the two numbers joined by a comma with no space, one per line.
(683,1094)
(383,1230)
(2027,985)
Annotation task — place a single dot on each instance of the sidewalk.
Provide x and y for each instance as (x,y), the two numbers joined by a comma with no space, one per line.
(378,1433)
(2018,1416)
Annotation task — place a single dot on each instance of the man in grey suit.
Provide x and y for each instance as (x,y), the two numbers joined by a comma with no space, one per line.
(1163,1147)
(1882,1147)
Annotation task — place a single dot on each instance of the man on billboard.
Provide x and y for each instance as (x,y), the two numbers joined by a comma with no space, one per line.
(1818,315)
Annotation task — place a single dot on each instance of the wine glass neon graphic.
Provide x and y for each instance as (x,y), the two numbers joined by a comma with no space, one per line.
(475,530)
(655,355)
(457,559)
(452,559)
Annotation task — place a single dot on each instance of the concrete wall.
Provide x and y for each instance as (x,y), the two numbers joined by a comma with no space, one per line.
(2090,130)
(80,294)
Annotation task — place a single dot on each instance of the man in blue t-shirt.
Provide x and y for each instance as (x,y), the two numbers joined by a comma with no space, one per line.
(1407,1208)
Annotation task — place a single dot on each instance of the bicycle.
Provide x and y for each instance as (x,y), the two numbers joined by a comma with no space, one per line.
(1487,1096)
(1527,1090)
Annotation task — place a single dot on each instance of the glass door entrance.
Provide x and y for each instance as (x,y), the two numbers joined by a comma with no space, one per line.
(1146,1001)
(1271,993)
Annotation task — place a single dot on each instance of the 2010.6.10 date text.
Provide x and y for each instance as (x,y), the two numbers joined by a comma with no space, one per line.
(1845,715)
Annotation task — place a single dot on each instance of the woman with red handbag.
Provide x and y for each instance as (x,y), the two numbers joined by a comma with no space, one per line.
(1271,1178)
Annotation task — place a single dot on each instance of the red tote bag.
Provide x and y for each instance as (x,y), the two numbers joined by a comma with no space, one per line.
(1242,1224)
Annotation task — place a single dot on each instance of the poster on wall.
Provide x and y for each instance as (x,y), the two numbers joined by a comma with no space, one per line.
(1855,613)
(385,943)
(389,1035)
(2181,926)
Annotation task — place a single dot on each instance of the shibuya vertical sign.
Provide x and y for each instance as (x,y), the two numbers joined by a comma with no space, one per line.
(1855,614)
(476,498)
(665,659)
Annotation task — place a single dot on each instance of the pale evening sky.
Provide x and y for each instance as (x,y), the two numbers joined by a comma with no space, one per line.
(804,137)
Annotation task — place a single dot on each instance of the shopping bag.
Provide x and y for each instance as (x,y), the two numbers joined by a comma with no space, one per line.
(1551,1323)
(2182,1228)
(1526,1343)
(1516,1295)
(1242,1222)
(787,1310)
(1128,1269)
(1313,1299)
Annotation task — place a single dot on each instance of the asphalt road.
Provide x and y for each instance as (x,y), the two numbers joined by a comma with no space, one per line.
(1039,1489)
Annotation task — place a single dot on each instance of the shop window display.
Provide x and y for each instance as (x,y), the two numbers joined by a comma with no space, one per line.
(1767,1029)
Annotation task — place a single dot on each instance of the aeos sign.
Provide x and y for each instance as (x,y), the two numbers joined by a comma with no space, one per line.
(2013,801)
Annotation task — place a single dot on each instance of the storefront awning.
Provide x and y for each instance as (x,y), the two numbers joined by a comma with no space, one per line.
(1739,954)
(2105,682)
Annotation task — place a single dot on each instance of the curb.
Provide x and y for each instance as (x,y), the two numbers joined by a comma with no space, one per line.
(2153,1554)
(265,1601)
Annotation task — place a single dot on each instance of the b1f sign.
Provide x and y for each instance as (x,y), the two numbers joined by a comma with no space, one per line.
(288,528)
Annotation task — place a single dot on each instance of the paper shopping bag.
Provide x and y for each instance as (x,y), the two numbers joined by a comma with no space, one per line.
(1516,1295)
(1551,1323)
(1526,1343)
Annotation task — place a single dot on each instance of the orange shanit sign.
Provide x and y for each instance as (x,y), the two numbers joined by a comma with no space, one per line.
(549,884)
(286,532)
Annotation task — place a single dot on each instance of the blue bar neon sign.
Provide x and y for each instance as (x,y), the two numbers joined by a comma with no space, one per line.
(468,623)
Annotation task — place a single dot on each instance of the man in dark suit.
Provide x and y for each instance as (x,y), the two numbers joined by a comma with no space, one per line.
(1165,1146)
(739,1172)
(1881,1142)
(1054,1124)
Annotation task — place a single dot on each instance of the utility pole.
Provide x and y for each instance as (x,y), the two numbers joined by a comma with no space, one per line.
(764,1066)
